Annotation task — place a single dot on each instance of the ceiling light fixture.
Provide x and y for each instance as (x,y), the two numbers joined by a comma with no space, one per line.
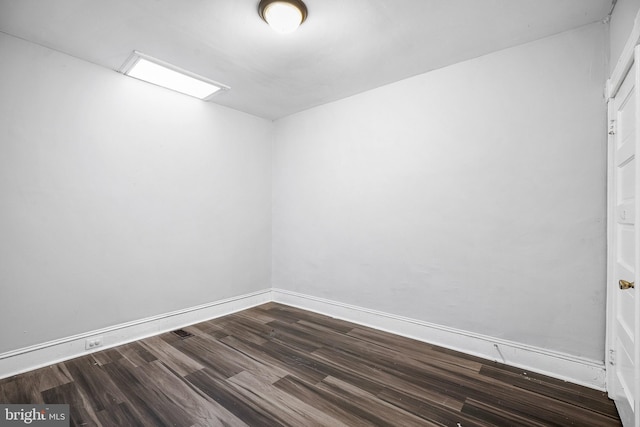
(284,16)
(160,73)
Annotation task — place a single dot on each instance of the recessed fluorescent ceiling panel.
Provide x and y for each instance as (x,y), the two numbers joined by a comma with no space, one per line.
(160,73)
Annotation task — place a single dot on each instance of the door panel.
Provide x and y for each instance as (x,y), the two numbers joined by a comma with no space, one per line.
(622,372)
(626,249)
(626,174)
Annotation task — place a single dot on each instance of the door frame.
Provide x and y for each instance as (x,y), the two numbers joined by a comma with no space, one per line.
(630,54)
(619,386)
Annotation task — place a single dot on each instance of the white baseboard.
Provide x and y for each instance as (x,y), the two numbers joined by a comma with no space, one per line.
(566,367)
(558,365)
(41,355)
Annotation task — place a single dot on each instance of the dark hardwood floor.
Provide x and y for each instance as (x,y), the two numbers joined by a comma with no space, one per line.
(276,365)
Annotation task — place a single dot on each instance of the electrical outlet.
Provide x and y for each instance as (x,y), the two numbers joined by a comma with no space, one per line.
(91,343)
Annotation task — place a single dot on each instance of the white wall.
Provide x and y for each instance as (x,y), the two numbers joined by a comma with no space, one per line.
(472,196)
(121,200)
(621,24)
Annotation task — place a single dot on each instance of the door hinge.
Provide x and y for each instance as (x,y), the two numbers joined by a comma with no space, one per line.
(612,357)
(612,127)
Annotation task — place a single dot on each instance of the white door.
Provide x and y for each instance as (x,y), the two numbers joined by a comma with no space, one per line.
(624,299)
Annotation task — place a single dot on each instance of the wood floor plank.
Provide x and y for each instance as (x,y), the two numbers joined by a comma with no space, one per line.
(171,356)
(275,365)
(210,328)
(289,408)
(143,407)
(325,369)
(199,407)
(440,414)
(242,362)
(288,359)
(29,386)
(448,378)
(19,389)
(281,313)
(386,413)
(534,407)
(342,410)
(386,380)
(419,350)
(395,360)
(215,357)
(229,397)
(315,318)
(281,332)
(495,415)
(151,404)
(588,399)
(95,382)
(106,356)
(256,314)
(119,414)
(136,353)
(273,359)
(80,408)
(240,326)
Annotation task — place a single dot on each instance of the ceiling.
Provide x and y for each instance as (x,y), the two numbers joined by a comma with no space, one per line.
(343,48)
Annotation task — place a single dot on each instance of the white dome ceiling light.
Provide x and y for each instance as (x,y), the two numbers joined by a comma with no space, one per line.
(284,16)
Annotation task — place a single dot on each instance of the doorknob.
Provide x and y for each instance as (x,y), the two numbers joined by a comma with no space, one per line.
(625,285)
